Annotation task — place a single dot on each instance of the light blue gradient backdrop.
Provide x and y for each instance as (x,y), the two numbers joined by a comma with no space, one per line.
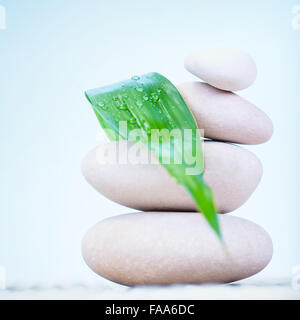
(52,51)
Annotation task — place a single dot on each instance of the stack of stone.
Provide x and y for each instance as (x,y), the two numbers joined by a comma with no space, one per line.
(170,242)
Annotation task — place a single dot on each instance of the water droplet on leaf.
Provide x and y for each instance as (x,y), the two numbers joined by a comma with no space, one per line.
(139,89)
(135,78)
(154,96)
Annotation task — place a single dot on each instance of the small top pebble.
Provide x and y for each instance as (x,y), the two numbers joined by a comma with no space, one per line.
(225,69)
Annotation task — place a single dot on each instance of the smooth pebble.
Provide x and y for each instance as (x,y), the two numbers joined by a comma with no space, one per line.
(175,247)
(226,116)
(231,171)
(224,69)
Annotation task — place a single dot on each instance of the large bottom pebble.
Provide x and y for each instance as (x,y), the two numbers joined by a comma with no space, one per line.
(148,248)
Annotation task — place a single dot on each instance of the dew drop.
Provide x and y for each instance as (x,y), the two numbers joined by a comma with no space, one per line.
(155,97)
(146,98)
(139,89)
(132,121)
(135,78)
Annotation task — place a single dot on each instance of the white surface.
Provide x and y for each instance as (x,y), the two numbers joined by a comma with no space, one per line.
(280,289)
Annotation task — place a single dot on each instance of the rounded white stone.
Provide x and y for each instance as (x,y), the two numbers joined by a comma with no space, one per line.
(225,69)
(232,172)
(224,115)
(168,247)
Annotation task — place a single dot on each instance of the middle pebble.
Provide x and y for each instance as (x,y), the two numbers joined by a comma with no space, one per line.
(232,172)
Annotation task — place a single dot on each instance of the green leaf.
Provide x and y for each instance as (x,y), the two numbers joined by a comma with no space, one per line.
(149,109)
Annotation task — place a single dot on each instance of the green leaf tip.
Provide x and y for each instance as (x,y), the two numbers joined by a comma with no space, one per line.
(149,106)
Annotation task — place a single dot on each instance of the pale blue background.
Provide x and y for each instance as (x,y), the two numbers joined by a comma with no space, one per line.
(53,50)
